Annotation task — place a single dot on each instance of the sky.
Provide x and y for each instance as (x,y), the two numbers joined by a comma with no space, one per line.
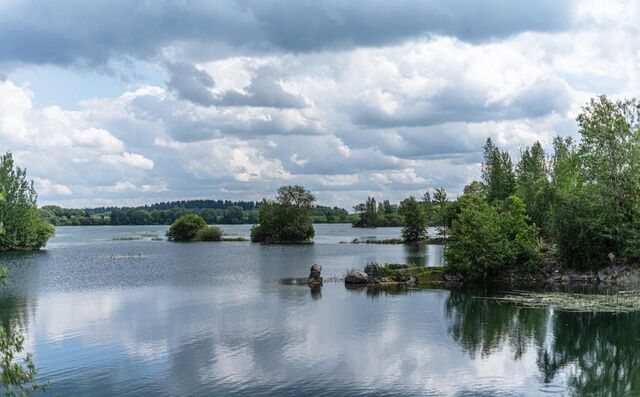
(125,103)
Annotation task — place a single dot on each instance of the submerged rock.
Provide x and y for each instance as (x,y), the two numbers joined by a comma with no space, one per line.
(356,278)
(315,274)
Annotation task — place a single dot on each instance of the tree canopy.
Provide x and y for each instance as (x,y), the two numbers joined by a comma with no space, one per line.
(287,219)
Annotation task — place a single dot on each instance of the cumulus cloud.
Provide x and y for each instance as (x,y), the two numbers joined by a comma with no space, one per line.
(346,98)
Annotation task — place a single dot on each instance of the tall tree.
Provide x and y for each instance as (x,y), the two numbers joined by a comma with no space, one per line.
(497,173)
(532,173)
(440,200)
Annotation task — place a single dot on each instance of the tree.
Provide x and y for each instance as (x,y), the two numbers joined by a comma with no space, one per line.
(497,173)
(368,213)
(609,154)
(532,173)
(287,219)
(23,227)
(415,220)
(485,238)
(233,216)
(186,228)
(475,187)
(440,199)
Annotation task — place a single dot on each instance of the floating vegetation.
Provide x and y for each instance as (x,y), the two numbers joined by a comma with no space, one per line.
(126,238)
(621,302)
(157,238)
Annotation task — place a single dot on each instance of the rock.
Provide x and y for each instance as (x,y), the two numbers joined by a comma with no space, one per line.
(453,277)
(612,258)
(356,278)
(314,274)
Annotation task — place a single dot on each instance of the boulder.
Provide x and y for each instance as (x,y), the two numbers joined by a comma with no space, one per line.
(314,274)
(356,278)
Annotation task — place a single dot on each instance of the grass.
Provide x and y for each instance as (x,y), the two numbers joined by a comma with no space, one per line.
(126,238)
(621,302)
(423,274)
(394,241)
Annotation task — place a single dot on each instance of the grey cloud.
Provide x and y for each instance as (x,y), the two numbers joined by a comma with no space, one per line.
(262,92)
(190,83)
(193,84)
(461,103)
(92,33)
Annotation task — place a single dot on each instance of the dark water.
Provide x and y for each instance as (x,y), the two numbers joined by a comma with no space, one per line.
(153,318)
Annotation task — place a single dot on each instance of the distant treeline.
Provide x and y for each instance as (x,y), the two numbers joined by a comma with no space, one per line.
(165,213)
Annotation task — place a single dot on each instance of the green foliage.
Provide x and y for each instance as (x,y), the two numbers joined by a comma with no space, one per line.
(442,207)
(485,238)
(415,220)
(288,219)
(186,228)
(211,233)
(374,214)
(533,184)
(22,227)
(497,173)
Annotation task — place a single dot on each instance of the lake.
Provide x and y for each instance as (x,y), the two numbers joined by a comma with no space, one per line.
(105,315)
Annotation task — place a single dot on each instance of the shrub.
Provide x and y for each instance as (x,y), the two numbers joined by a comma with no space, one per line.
(186,228)
(211,233)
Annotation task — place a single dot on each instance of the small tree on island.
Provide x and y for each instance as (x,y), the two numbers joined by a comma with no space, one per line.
(287,219)
(186,228)
(415,220)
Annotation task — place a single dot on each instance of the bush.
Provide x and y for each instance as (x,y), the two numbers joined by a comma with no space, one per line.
(488,238)
(186,228)
(211,233)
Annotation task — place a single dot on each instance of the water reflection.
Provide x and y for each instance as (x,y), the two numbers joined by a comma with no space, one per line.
(592,353)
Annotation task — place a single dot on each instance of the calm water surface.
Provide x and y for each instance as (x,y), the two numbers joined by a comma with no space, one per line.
(108,317)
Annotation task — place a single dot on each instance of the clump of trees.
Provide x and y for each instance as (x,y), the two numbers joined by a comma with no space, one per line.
(377,214)
(287,219)
(584,198)
(21,226)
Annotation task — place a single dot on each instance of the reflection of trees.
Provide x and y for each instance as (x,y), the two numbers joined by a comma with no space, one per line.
(14,312)
(416,254)
(482,326)
(599,353)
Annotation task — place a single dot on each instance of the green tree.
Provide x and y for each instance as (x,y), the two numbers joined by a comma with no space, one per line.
(532,173)
(287,219)
(368,213)
(415,220)
(440,200)
(233,215)
(497,173)
(23,227)
(485,239)
(186,228)
(610,158)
